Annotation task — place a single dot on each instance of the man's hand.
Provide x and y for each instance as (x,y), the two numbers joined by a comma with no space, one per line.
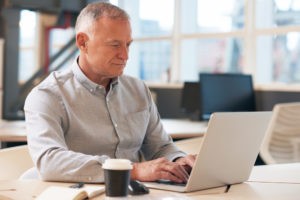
(161,168)
(187,162)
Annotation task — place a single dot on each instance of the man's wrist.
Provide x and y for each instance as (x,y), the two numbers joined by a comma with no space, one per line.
(133,173)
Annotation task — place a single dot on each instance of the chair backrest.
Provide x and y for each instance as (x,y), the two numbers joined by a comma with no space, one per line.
(282,141)
(14,161)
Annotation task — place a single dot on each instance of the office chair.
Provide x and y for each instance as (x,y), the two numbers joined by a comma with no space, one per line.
(282,140)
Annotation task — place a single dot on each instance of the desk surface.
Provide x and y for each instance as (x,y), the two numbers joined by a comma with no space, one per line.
(15,131)
(191,145)
(288,190)
(273,173)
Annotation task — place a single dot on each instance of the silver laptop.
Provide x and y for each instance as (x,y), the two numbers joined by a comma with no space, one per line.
(227,153)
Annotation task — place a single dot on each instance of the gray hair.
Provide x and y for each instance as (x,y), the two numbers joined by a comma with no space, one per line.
(93,11)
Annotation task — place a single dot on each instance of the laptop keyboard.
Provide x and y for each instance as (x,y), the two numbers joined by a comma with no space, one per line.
(168,182)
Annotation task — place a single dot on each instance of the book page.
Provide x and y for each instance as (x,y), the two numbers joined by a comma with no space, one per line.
(66,193)
(93,191)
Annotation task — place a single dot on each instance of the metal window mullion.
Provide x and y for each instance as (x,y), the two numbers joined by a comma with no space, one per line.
(250,38)
(176,42)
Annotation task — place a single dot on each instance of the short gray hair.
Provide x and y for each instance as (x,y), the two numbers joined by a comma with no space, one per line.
(93,11)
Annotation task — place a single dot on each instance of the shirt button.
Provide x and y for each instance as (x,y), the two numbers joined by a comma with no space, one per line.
(116,125)
(91,90)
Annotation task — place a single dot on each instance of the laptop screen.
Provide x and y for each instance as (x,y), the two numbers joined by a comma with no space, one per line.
(225,92)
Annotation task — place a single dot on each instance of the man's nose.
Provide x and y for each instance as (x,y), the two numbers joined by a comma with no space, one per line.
(123,54)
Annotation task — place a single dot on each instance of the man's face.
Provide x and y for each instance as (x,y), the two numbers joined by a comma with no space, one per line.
(108,47)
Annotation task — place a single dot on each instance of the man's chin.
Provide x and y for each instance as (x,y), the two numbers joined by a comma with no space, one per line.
(121,71)
(118,74)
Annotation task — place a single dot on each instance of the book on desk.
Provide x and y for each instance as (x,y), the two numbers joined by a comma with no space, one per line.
(68,193)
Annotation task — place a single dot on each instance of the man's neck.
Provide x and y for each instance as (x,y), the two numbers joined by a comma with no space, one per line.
(100,80)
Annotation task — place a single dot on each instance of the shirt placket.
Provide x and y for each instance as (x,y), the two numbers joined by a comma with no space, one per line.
(114,120)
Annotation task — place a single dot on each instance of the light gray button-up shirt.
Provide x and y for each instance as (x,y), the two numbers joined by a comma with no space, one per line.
(73,125)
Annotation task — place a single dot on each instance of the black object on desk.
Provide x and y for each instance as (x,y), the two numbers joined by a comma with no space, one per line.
(137,188)
(190,100)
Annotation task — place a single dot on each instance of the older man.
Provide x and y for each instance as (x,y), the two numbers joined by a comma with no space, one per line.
(81,116)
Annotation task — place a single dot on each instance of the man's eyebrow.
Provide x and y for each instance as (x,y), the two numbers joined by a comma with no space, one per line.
(117,41)
(111,41)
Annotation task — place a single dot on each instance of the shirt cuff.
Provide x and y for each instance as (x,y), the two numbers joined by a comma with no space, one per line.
(173,157)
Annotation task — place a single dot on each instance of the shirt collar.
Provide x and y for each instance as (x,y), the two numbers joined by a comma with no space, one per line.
(86,82)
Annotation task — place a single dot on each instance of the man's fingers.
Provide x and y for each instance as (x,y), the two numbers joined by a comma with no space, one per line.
(185,173)
(188,160)
(169,176)
(162,168)
(177,170)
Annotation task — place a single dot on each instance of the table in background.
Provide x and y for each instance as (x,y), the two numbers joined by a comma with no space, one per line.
(12,131)
(15,131)
(182,128)
(190,145)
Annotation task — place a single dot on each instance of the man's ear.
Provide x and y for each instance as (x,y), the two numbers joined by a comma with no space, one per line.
(81,41)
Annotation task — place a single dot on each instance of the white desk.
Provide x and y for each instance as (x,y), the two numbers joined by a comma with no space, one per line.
(252,190)
(271,182)
(181,128)
(279,173)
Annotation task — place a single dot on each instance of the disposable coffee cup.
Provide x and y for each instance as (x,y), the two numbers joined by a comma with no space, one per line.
(116,177)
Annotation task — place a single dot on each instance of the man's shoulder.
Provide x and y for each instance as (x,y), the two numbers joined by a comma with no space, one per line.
(51,85)
(127,79)
(133,87)
(55,79)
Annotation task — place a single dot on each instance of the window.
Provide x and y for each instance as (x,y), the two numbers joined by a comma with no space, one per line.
(28,62)
(150,60)
(259,37)
(58,37)
(32,40)
(211,16)
(279,54)
(174,41)
(210,55)
(277,13)
(43,44)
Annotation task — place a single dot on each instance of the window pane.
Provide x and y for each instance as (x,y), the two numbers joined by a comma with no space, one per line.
(210,55)
(273,13)
(150,18)
(59,37)
(28,61)
(149,60)
(212,16)
(278,60)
